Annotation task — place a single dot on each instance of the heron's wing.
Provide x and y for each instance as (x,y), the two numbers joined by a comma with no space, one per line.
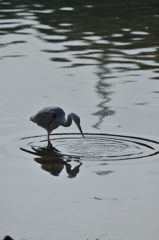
(49,117)
(44,118)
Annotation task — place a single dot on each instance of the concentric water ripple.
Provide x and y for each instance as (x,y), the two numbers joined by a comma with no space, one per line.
(103,147)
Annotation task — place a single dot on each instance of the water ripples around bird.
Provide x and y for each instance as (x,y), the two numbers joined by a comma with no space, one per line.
(95,147)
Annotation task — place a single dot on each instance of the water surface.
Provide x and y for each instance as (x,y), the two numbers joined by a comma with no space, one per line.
(99,60)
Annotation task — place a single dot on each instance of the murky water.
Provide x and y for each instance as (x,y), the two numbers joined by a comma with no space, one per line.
(99,60)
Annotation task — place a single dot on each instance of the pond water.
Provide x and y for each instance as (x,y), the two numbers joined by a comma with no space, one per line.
(101,61)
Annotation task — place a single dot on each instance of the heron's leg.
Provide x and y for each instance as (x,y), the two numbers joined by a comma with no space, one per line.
(48,139)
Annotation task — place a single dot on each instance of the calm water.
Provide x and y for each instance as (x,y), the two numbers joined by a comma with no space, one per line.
(101,61)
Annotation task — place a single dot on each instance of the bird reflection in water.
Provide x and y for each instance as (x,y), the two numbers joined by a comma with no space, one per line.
(54,162)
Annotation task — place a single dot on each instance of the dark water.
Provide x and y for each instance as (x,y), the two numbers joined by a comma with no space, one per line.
(101,61)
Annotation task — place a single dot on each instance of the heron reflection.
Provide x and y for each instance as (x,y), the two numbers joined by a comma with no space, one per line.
(54,162)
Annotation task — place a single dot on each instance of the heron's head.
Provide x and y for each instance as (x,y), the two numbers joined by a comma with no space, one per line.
(76,119)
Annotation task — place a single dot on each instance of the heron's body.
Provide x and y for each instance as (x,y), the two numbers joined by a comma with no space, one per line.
(46,118)
(51,118)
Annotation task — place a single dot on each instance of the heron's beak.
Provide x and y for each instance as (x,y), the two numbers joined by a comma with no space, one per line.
(80,129)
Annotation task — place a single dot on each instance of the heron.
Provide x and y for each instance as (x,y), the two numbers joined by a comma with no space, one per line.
(51,118)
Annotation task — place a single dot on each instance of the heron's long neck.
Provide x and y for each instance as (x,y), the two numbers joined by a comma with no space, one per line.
(67,122)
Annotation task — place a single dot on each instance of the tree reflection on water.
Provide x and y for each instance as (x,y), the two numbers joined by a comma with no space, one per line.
(103,32)
(102,89)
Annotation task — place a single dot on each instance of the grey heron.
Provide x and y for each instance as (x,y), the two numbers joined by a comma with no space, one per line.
(51,118)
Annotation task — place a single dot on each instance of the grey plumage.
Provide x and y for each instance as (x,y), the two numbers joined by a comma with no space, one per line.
(51,118)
